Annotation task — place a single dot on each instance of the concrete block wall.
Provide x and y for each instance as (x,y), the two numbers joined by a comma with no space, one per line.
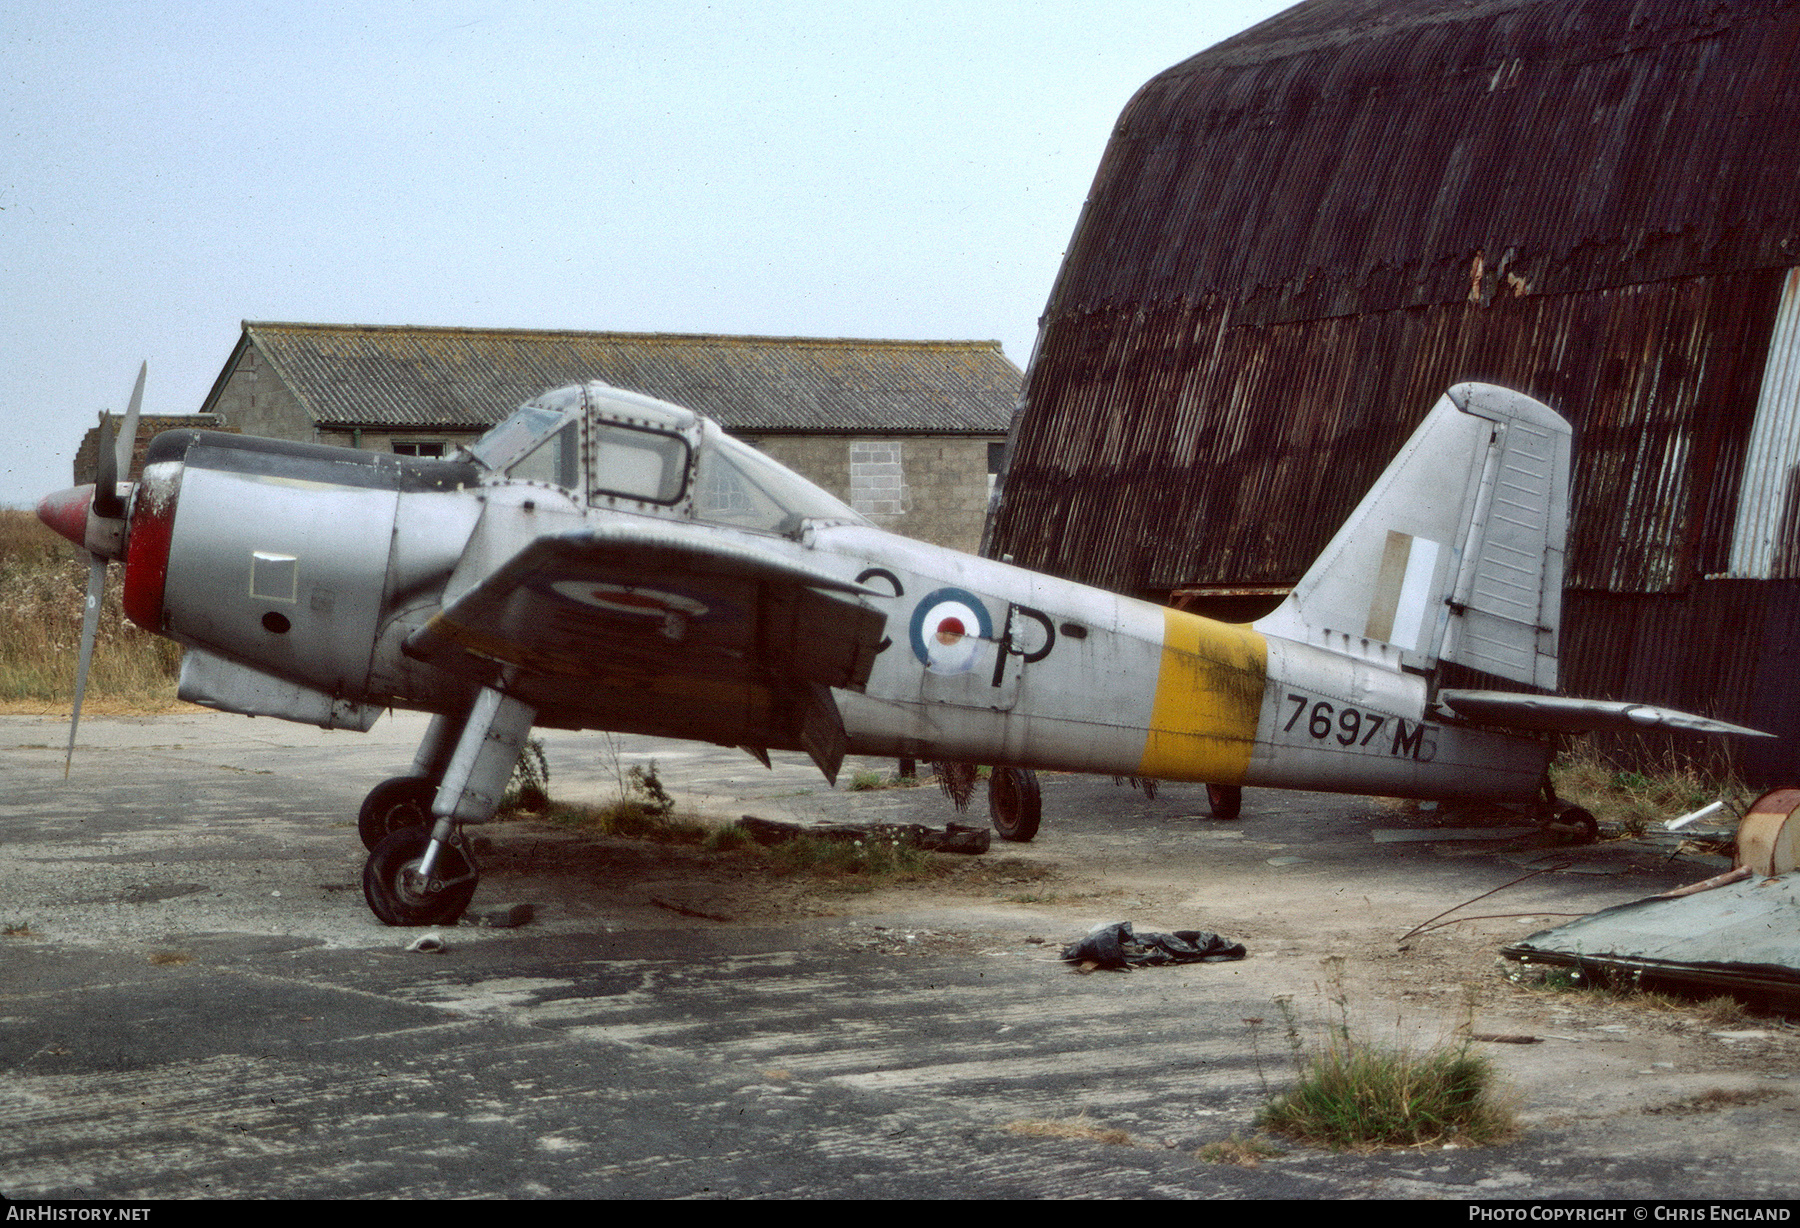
(932,487)
(255,402)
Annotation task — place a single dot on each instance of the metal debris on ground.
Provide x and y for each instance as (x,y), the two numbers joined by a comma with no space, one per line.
(1740,937)
(955,838)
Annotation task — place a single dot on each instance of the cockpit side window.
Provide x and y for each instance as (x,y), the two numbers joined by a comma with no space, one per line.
(634,462)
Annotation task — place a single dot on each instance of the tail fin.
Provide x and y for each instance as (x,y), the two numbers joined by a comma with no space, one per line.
(1456,553)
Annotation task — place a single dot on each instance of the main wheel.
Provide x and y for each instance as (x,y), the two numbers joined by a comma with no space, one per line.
(393,805)
(1225,801)
(397,895)
(1014,803)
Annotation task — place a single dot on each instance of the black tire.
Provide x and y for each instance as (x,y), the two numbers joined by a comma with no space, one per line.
(1225,801)
(394,805)
(1576,824)
(1015,804)
(390,882)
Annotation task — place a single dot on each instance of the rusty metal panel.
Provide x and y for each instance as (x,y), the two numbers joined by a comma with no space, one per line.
(1766,538)
(1724,648)
(1175,448)
(356,376)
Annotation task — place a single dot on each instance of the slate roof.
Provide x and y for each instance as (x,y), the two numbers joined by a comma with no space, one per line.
(349,376)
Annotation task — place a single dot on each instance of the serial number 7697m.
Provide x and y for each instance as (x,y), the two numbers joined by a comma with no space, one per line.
(1355,728)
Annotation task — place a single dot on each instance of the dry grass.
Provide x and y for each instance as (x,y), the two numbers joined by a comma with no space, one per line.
(1630,800)
(43,586)
(1720,1011)
(1714,1101)
(1078,1127)
(1243,1152)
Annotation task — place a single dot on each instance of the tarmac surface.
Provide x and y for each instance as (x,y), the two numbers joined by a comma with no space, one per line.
(196,1003)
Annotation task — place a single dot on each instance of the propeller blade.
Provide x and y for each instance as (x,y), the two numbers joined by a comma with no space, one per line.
(128,437)
(90,627)
(106,473)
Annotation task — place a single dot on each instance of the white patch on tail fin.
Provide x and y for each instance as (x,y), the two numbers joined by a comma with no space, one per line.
(1456,552)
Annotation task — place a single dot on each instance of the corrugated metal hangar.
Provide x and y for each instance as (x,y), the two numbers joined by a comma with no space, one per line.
(1297,240)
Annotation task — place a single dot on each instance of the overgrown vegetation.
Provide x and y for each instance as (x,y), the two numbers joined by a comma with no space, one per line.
(867,781)
(875,859)
(1352,1094)
(43,587)
(1629,800)
(528,791)
(1721,1010)
(644,810)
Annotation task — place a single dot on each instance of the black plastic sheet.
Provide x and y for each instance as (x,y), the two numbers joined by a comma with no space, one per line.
(1119,946)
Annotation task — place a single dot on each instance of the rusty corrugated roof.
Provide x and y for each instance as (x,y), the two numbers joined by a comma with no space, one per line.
(1298,239)
(1354,155)
(396,376)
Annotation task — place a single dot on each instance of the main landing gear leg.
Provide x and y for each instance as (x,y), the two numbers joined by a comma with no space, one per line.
(405,801)
(414,877)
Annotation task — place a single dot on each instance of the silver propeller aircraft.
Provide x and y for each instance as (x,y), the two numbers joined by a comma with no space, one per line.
(605,560)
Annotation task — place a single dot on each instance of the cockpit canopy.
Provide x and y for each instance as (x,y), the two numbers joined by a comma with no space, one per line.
(614,448)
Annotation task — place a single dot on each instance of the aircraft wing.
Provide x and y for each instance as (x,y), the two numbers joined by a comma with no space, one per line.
(675,628)
(1560,714)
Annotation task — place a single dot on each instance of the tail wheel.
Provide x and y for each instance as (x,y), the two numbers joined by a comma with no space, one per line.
(1015,804)
(394,805)
(1576,824)
(1225,801)
(399,896)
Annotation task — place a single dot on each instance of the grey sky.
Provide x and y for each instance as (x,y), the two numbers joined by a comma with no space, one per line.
(908,169)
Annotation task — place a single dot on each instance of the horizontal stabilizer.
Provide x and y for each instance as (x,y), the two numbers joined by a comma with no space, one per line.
(1560,714)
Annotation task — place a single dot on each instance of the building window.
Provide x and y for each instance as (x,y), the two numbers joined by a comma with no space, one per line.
(421,447)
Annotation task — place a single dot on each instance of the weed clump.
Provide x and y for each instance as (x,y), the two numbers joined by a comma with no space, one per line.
(644,810)
(1243,1152)
(1077,1127)
(871,859)
(1353,1095)
(529,789)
